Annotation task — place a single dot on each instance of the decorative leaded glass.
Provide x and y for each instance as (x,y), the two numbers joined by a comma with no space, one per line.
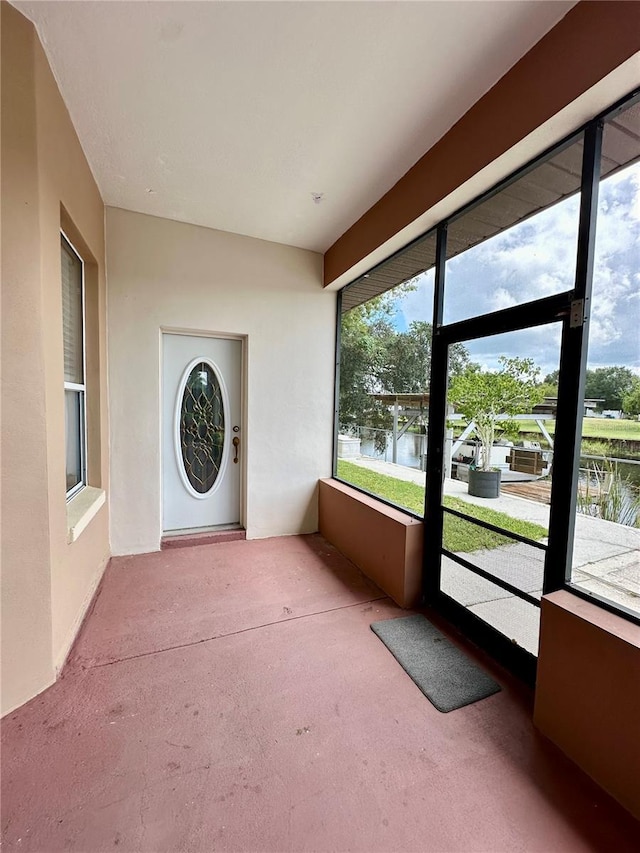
(202,427)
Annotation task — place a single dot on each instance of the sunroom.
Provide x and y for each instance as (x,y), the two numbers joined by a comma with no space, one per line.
(258,257)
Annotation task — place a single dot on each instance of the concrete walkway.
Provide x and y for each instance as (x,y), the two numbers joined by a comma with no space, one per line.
(606,558)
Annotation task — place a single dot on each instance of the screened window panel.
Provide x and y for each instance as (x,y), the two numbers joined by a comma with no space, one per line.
(608,488)
(72,315)
(518,245)
(517,619)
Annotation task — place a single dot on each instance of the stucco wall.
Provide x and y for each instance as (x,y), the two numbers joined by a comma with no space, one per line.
(385,543)
(165,274)
(588,691)
(46,182)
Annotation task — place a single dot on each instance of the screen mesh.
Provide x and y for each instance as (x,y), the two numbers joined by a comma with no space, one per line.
(516,619)
(507,559)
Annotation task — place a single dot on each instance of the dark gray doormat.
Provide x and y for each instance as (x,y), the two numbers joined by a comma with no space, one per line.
(445,674)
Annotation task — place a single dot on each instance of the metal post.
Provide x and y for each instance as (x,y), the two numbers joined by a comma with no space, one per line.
(545,432)
(448,447)
(435,450)
(461,440)
(336,387)
(573,364)
(394,446)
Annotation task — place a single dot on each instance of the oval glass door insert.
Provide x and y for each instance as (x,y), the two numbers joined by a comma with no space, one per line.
(201,431)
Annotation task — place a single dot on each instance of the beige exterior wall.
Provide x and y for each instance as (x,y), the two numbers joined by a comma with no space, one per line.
(165,274)
(46,183)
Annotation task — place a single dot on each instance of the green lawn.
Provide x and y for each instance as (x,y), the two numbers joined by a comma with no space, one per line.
(591,428)
(605,428)
(459,535)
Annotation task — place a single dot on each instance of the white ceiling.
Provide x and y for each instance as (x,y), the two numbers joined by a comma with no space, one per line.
(233,114)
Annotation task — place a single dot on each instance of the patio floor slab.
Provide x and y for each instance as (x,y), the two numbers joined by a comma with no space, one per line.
(196,594)
(298,733)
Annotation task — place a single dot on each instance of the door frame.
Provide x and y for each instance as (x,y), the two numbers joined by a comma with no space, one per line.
(227,336)
(568,308)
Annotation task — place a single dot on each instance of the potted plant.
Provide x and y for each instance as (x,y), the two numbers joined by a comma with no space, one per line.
(490,400)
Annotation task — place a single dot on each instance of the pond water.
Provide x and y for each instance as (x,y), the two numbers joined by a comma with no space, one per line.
(411,446)
(627,470)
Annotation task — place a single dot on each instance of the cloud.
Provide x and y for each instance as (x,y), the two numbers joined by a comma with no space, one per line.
(541,343)
(501,298)
(417,305)
(537,258)
(615,304)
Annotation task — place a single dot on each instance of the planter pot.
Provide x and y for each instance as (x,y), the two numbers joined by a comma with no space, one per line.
(484,484)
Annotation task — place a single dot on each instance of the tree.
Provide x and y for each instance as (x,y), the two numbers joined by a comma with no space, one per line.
(609,384)
(361,353)
(376,358)
(407,362)
(631,400)
(548,389)
(364,334)
(407,366)
(549,386)
(490,399)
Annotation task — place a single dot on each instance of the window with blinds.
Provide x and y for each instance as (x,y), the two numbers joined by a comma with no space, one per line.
(74,384)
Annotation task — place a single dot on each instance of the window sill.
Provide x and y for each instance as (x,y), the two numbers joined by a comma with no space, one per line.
(614,625)
(81,509)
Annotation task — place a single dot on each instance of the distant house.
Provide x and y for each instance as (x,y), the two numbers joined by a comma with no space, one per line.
(550,404)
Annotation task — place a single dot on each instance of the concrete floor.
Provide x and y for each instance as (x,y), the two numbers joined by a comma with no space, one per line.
(232,697)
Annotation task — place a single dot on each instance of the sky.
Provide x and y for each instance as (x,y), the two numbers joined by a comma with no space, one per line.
(537,258)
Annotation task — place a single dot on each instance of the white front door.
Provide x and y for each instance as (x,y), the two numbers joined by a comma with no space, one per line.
(201,435)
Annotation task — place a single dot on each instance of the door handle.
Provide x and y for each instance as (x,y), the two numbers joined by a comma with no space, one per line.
(236,444)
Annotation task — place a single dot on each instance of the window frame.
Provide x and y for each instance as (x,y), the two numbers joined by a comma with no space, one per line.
(78,388)
(573,364)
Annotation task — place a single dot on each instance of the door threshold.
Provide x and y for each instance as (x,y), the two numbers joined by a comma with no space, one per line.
(210,536)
